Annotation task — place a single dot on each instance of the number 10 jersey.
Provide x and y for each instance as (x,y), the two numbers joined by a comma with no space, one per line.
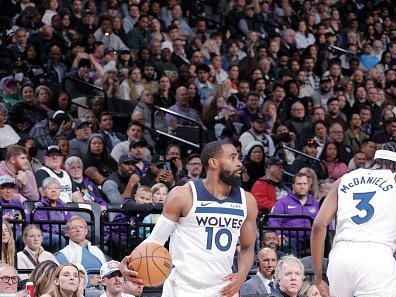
(367,207)
(203,243)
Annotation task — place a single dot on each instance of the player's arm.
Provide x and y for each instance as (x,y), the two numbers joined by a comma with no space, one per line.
(326,213)
(247,241)
(174,207)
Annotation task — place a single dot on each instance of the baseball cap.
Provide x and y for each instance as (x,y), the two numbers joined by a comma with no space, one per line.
(274,161)
(310,142)
(325,78)
(126,158)
(158,160)
(80,122)
(59,117)
(109,267)
(110,50)
(88,12)
(125,51)
(53,149)
(8,82)
(6,180)
(258,117)
(135,143)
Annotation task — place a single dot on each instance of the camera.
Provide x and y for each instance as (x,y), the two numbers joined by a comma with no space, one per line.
(167,166)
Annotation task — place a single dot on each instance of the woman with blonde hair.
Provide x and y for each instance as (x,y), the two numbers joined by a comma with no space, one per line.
(309,290)
(41,277)
(312,180)
(43,97)
(8,244)
(65,282)
(33,253)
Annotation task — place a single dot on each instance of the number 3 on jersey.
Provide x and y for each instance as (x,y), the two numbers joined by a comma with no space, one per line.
(365,205)
(221,245)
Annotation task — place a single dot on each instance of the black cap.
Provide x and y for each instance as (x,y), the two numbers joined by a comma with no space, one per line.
(125,51)
(127,159)
(258,117)
(58,117)
(53,149)
(88,12)
(310,142)
(135,143)
(325,78)
(158,160)
(274,161)
(110,50)
(81,122)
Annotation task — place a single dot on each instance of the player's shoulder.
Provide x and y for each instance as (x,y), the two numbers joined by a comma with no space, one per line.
(181,191)
(251,202)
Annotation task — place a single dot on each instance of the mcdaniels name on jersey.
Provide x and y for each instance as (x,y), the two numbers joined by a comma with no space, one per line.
(378,181)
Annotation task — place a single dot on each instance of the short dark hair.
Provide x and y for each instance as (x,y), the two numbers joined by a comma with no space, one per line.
(104,113)
(298,174)
(211,150)
(136,123)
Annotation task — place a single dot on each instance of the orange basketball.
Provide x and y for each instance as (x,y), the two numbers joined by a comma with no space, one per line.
(152,262)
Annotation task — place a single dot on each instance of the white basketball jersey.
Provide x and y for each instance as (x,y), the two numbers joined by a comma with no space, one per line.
(203,243)
(367,207)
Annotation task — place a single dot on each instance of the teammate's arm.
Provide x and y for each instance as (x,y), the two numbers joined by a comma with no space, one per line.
(247,241)
(326,213)
(175,205)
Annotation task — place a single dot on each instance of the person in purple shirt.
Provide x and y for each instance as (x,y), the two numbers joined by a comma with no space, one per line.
(53,237)
(299,202)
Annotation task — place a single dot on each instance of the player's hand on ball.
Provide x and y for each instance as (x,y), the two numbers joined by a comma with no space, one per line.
(128,273)
(236,281)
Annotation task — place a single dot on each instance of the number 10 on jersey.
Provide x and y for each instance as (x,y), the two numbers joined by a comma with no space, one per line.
(216,237)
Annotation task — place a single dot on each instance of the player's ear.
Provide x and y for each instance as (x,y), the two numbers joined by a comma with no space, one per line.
(212,162)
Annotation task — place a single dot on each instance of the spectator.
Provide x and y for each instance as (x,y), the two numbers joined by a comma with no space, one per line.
(25,113)
(309,290)
(33,253)
(324,93)
(89,191)
(330,155)
(336,134)
(263,282)
(16,165)
(80,250)
(30,145)
(106,35)
(158,173)
(137,149)
(112,278)
(299,202)
(65,282)
(131,87)
(313,182)
(269,188)
(257,133)
(98,163)
(289,274)
(7,244)
(354,136)
(254,163)
(53,168)
(139,36)
(111,137)
(271,240)
(41,275)
(8,197)
(79,144)
(9,279)
(52,238)
(122,184)
(9,136)
(135,132)
(56,124)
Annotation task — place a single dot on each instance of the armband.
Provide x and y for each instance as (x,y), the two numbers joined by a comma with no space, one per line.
(162,230)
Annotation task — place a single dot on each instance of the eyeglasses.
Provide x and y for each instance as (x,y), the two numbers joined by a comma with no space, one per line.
(6,279)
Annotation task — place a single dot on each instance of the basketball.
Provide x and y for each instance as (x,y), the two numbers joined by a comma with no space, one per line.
(152,262)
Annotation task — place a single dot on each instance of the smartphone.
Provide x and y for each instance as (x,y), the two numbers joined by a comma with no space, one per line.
(167,166)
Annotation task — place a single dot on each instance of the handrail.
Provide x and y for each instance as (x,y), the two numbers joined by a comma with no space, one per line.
(300,153)
(92,86)
(173,113)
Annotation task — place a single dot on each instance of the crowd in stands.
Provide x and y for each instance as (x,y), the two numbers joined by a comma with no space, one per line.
(306,90)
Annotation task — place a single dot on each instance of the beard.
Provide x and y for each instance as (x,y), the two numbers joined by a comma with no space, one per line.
(229,178)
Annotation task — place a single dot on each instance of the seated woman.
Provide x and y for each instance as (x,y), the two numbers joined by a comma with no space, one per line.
(41,275)
(89,191)
(334,166)
(7,244)
(33,253)
(98,163)
(53,237)
(65,282)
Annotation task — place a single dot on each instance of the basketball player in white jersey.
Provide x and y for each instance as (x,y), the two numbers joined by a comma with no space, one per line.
(206,219)
(361,262)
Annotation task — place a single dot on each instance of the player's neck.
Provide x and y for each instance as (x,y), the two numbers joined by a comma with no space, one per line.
(217,187)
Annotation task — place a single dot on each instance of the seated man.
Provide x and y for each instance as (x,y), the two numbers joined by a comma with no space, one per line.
(9,279)
(80,250)
(299,202)
(114,283)
(289,275)
(263,281)
(271,240)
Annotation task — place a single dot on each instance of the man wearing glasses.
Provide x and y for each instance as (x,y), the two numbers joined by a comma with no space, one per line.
(8,279)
